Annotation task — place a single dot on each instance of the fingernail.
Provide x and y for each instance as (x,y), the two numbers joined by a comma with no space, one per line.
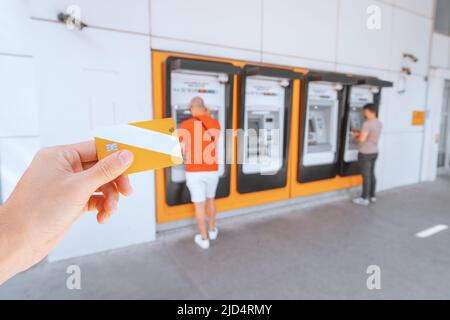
(101,219)
(129,191)
(106,216)
(125,157)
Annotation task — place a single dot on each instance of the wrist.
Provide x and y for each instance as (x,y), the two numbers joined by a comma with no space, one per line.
(13,245)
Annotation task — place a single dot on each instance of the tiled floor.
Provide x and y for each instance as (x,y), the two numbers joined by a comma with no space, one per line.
(320,252)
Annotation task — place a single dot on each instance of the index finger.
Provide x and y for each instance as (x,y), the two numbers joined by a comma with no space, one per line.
(86,150)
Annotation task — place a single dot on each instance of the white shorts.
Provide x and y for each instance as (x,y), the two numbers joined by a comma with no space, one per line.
(202,185)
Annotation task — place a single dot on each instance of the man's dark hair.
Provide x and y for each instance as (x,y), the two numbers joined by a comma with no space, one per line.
(371,107)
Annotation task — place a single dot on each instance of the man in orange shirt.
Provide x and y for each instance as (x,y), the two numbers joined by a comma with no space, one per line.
(198,136)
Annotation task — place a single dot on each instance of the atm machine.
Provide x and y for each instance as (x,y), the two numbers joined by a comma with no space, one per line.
(265,117)
(366,90)
(321,109)
(213,81)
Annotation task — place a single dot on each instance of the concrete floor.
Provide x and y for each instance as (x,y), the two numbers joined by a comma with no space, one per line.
(320,252)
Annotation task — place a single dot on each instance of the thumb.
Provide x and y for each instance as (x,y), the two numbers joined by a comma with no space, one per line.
(108,169)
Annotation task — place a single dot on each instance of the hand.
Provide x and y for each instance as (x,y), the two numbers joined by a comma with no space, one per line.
(56,189)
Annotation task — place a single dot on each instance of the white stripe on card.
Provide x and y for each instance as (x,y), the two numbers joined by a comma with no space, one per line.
(141,138)
(431,231)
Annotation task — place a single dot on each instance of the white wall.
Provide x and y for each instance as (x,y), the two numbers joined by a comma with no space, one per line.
(91,78)
(81,76)
(114,15)
(64,83)
(440,52)
(328,35)
(19,126)
(14,27)
(287,26)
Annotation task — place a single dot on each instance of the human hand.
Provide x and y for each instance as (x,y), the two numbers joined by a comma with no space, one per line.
(55,190)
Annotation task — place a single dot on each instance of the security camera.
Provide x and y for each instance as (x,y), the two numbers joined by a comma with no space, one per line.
(406,71)
(375,90)
(410,56)
(222,78)
(69,19)
(284,83)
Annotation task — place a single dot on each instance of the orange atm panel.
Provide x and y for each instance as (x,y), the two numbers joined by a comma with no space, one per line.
(236,191)
(173,206)
(176,79)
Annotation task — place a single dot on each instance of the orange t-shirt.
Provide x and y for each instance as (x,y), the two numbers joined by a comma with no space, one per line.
(199,136)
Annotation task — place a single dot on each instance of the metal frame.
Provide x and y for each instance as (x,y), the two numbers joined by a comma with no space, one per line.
(247,183)
(178,193)
(352,168)
(327,171)
(445,115)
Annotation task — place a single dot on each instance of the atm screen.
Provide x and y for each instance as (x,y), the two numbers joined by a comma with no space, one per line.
(312,126)
(182,114)
(312,134)
(355,119)
(253,138)
(354,122)
(319,128)
(253,124)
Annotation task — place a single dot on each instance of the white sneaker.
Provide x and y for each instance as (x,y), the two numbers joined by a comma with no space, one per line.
(213,233)
(361,201)
(373,199)
(204,244)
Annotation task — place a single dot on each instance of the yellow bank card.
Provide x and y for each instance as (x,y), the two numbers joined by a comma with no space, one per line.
(153,143)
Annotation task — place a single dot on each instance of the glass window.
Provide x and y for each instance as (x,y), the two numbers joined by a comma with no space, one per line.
(442,23)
